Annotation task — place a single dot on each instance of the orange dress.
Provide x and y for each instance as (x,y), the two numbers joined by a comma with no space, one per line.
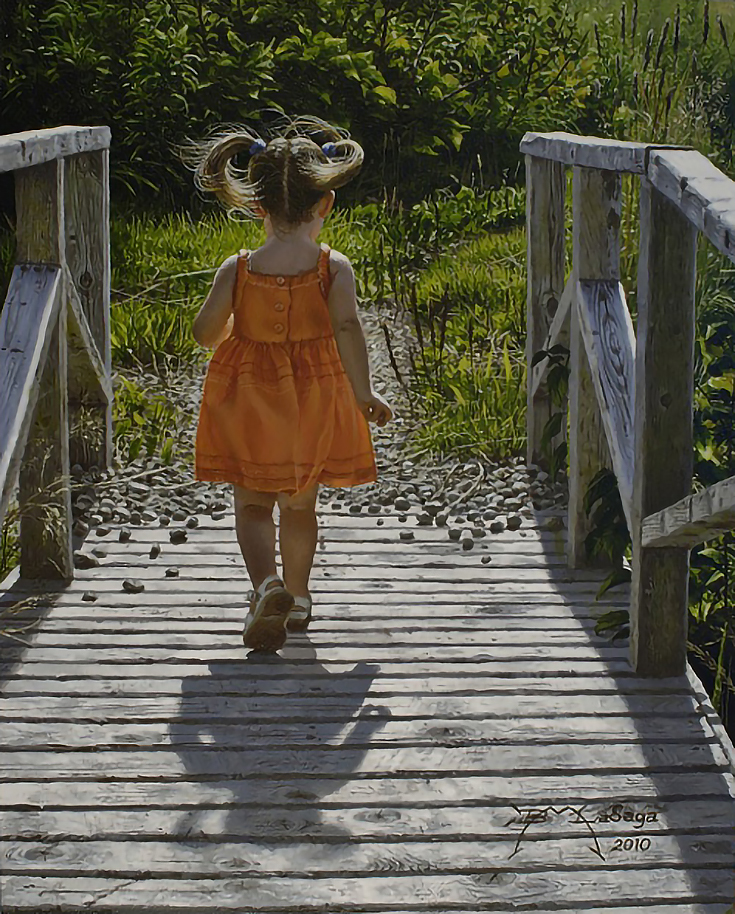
(278,412)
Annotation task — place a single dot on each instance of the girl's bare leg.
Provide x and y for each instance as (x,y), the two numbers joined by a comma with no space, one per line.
(256,532)
(298,533)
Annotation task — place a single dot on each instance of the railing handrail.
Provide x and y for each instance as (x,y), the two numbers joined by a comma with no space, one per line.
(631,400)
(54,331)
(34,147)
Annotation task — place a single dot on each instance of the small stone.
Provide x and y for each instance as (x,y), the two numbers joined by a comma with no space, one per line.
(541,476)
(148,516)
(77,471)
(192,522)
(407,535)
(468,543)
(133,586)
(82,560)
(178,536)
(155,551)
(514,521)
(172,572)
(454,533)
(100,553)
(402,504)
(179,515)
(218,515)
(135,517)
(355,509)
(373,509)
(441,520)
(433,507)
(479,532)
(102,530)
(380,521)
(164,520)
(485,559)
(89,597)
(424,519)
(124,535)
(497,526)
(402,518)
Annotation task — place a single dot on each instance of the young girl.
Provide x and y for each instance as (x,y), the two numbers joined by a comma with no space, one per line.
(287,396)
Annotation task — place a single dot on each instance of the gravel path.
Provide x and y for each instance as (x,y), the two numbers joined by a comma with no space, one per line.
(469,498)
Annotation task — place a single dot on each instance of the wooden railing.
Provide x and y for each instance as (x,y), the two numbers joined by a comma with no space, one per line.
(54,332)
(630,393)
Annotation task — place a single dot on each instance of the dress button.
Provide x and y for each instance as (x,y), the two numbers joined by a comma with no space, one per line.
(278,328)
(280,280)
(279,306)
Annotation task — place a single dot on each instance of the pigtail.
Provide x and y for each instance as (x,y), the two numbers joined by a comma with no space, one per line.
(211,162)
(285,177)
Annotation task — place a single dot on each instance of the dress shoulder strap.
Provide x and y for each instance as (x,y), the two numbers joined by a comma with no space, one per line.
(325,279)
(243,262)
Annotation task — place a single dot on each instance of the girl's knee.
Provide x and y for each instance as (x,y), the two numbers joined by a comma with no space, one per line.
(249,499)
(304,501)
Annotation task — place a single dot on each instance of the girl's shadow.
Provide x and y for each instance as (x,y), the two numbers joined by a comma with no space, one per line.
(266,740)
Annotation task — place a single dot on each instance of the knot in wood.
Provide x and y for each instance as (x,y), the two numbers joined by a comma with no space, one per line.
(666,401)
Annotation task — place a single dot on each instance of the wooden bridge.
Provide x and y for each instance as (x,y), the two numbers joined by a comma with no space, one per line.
(451,736)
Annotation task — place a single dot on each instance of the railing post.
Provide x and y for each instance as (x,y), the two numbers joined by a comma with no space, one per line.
(596,253)
(44,494)
(664,393)
(545,192)
(87,231)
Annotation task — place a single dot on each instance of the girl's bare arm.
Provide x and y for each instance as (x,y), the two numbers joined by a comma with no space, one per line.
(348,333)
(215,319)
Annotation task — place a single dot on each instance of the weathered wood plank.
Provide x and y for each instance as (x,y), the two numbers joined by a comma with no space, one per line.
(704,195)
(663,429)
(589,151)
(27,320)
(381,638)
(200,858)
(197,702)
(598,688)
(558,334)
(636,791)
(33,147)
(334,731)
(483,891)
(210,761)
(597,206)
(545,193)
(88,258)
(694,519)
(308,666)
(609,341)
(88,378)
(44,488)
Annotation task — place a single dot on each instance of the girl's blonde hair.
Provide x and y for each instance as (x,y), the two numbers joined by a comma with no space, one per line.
(287,178)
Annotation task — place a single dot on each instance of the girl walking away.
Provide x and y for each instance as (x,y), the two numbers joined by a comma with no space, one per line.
(287,397)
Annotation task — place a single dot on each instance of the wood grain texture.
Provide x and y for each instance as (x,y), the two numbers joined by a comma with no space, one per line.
(27,320)
(588,151)
(545,193)
(88,260)
(663,429)
(596,197)
(44,485)
(704,195)
(694,519)
(444,726)
(609,341)
(557,335)
(34,147)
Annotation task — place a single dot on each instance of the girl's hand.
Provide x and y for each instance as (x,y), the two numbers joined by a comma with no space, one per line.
(375,409)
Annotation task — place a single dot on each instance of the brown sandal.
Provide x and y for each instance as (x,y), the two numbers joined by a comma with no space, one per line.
(265,624)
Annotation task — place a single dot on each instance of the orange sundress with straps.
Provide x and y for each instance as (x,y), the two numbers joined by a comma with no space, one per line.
(278,412)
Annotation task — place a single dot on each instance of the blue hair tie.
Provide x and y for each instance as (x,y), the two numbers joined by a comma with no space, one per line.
(258,146)
(329,149)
